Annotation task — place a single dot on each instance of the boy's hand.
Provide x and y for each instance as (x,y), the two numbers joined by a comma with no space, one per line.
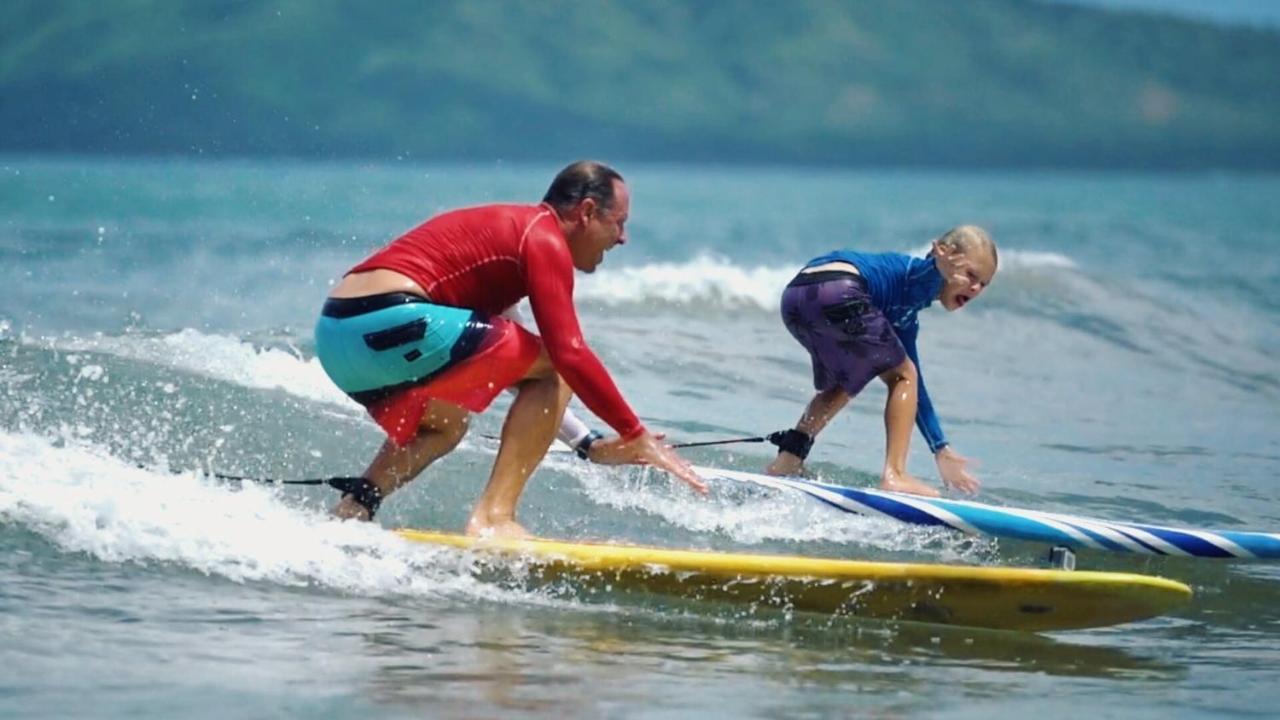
(952,263)
(954,474)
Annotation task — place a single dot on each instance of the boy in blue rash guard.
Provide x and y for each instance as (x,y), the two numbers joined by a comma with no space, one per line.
(856,315)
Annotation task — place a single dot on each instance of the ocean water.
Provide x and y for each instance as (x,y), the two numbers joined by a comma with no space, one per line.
(155,326)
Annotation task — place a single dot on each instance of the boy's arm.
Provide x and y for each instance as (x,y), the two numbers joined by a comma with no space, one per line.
(926,418)
(951,465)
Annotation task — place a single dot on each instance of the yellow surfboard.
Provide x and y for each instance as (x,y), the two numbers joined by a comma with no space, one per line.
(988,597)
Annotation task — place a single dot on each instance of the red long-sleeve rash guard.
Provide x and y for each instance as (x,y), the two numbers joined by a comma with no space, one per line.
(487,258)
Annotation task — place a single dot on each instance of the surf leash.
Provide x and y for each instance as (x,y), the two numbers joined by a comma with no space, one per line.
(353,484)
(726,441)
(777,438)
(365,493)
(369,496)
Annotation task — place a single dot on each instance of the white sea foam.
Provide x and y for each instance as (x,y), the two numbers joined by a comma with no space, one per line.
(703,280)
(84,500)
(752,516)
(222,358)
(717,282)
(1019,260)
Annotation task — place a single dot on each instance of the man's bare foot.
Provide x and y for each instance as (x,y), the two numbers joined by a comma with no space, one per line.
(902,482)
(785,465)
(501,529)
(348,509)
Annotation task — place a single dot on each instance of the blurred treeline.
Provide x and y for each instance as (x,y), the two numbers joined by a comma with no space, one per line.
(982,83)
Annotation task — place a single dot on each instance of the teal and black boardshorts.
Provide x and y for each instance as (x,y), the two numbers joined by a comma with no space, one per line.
(373,346)
(396,352)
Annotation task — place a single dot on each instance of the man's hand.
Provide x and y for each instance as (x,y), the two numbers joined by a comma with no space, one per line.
(954,474)
(612,451)
(648,449)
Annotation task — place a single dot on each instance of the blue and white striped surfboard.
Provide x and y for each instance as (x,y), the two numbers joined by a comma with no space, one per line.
(1002,522)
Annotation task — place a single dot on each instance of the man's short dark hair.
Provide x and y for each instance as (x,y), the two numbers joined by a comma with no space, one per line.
(581,180)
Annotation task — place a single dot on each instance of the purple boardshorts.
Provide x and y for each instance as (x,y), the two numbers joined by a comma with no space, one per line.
(849,340)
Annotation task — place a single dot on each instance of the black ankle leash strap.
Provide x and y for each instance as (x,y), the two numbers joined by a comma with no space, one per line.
(792,441)
(364,493)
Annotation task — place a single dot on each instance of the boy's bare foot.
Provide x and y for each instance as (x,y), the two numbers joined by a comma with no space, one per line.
(785,465)
(902,482)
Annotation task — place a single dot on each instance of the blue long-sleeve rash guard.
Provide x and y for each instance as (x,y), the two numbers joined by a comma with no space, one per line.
(901,286)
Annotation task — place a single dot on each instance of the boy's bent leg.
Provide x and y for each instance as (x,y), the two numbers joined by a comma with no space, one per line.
(442,428)
(899,419)
(821,409)
(530,427)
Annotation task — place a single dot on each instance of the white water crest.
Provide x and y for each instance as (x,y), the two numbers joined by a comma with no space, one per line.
(223,358)
(752,516)
(718,282)
(1032,260)
(705,279)
(83,500)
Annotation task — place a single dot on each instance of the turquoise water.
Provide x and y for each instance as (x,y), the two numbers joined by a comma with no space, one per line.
(156,323)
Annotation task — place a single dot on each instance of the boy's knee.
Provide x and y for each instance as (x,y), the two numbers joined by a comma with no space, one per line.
(905,371)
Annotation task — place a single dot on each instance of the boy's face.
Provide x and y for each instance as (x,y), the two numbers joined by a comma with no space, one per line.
(964,276)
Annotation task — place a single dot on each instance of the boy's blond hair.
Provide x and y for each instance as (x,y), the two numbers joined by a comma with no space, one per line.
(967,239)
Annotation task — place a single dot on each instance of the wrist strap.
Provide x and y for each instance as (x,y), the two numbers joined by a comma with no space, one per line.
(584,445)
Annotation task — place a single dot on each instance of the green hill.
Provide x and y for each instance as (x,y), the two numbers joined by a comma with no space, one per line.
(926,82)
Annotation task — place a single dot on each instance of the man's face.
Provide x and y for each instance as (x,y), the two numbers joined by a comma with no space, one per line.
(601,230)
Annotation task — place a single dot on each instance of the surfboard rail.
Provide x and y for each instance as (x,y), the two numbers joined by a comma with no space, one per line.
(1058,529)
(1000,598)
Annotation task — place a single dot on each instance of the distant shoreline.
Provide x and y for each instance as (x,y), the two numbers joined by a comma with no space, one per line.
(998,84)
(621,161)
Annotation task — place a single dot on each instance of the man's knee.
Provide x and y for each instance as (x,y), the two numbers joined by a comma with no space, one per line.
(566,392)
(549,380)
(447,419)
(542,367)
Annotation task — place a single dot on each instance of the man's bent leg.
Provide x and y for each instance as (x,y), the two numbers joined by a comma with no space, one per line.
(530,427)
(443,427)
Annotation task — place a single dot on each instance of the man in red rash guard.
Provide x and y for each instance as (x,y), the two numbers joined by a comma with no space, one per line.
(415,334)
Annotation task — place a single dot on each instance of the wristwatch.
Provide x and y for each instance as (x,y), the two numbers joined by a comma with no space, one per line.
(584,445)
